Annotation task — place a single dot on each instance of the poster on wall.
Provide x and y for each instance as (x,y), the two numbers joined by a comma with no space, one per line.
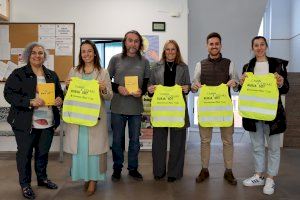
(146,128)
(151,48)
(151,52)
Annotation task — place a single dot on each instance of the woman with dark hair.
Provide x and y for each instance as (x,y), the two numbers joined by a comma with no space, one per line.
(89,145)
(32,122)
(269,130)
(170,70)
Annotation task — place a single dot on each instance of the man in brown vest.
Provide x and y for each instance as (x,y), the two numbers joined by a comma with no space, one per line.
(213,71)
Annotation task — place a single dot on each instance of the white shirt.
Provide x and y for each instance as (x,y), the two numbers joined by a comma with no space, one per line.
(261,68)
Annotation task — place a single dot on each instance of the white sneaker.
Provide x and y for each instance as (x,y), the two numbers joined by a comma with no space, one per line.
(255,180)
(269,186)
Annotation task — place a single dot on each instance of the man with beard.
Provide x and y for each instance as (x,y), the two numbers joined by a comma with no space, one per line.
(126,105)
(214,71)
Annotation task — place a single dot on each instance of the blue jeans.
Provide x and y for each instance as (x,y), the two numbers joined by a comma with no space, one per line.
(258,144)
(118,124)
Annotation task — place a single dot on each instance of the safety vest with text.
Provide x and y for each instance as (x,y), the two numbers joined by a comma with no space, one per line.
(82,102)
(258,98)
(168,107)
(215,106)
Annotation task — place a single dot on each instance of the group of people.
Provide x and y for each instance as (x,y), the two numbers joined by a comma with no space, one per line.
(33,123)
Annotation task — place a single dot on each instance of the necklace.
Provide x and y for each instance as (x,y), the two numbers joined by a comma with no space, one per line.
(170,67)
(85,72)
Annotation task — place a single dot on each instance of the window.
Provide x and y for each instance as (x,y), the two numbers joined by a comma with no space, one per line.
(106,48)
(261,28)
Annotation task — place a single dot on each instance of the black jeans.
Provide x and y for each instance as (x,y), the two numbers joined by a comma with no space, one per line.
(40,140)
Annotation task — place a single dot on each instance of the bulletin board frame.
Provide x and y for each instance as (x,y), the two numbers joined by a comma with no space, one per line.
(21,34)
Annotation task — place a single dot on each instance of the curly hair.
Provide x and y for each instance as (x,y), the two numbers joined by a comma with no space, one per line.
(28,49)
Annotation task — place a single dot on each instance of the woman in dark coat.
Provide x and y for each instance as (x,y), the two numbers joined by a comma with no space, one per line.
(32,122)
(259,130)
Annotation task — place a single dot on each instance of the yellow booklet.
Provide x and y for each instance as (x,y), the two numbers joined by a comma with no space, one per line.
(131,83)
(47,93)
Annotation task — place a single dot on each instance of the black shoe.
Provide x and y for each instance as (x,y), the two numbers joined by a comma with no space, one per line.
(28,193)
(171,179)
(48,184)
(116,176)
(135,174)
(204,174)
(228,176)
(157,178)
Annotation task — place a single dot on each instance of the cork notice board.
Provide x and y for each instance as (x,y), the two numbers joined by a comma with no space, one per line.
(58,38)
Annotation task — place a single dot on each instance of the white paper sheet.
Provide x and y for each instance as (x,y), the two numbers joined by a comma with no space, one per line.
(3,69)
(48,42)
(46,30)
(21,62)
(49,63)
(11,67)
(16,51)
(4,34)
(5,51)
(64,30)
(64,40)
(63,49)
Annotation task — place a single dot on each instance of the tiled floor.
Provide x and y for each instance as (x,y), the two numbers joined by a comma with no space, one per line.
(288,181)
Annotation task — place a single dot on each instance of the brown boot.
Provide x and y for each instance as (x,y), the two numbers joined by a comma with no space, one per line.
(204,174)
(228,176)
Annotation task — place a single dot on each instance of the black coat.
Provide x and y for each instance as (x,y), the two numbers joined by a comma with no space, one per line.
(278,125)
(19,88)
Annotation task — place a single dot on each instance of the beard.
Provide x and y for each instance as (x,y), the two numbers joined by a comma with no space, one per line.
(132,49)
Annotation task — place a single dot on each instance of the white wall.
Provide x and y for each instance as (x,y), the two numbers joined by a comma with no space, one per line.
(294,65)
(103,18)
(284,31)
(279,13)
(237,21)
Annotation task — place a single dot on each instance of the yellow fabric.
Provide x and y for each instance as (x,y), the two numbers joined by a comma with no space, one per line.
(215,106)
(258,98)
(168,107)
(82,102)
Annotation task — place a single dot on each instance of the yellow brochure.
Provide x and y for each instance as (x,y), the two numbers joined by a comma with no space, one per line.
(47,93)
(131,83)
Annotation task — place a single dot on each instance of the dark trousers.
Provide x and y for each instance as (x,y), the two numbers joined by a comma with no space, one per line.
(118,124)
(176,154)
(40,140)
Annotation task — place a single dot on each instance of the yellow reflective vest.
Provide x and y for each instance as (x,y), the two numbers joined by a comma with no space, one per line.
(82,102)
(258,98)
(215,106)
(168,107)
